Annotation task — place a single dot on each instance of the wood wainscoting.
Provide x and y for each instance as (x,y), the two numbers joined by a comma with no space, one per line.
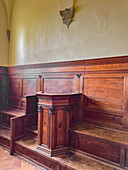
(103,84)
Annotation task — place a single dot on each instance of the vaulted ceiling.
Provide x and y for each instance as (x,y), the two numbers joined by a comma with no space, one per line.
(9,4)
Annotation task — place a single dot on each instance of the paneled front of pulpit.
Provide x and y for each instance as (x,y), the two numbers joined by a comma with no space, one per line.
(56,112)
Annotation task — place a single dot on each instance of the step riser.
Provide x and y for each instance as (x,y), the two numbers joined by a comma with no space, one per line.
(112,153)
(5,142)
(36,157)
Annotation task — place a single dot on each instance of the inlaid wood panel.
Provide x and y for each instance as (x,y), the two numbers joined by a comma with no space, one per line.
(31,105)
(59,85)
(29,86)
(45,137)
(104,92)
(60,127)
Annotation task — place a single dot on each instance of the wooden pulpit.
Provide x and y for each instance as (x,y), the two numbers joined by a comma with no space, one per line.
(56,112)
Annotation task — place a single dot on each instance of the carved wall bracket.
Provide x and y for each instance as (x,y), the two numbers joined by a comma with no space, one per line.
(40,76)
(67,109)
(52,110)
(78,75)
(67,15)
(39,108)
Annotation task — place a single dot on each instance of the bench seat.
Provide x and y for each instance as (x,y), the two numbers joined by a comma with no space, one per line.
(12,111)
(105,144)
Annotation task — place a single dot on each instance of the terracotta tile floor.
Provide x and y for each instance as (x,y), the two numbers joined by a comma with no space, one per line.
(8,162)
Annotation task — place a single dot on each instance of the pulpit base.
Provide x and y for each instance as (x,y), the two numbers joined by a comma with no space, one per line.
(54,152)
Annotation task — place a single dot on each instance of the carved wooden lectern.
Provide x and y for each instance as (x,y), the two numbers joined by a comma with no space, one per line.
(56,112)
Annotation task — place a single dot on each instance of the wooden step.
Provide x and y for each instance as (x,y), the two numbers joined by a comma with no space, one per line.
(4,132)
(104,124)
(105,144)
(26,147)
(5,136)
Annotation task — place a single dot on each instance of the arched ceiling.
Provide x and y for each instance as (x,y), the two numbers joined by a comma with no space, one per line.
(9,4)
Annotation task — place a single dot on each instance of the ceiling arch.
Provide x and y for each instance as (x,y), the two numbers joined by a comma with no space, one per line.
(9,4)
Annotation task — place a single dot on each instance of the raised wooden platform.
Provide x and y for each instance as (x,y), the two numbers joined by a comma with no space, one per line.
(105,144)
(108,134)
(103,106)
(5,136)
(26,147)
(4,132)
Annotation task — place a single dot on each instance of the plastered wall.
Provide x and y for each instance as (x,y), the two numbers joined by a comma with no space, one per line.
(3,36)
(99,29)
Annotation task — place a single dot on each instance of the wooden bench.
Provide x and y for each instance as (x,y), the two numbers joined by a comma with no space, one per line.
(16,119)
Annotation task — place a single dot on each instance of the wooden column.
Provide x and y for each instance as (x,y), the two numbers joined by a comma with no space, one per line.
(55,114)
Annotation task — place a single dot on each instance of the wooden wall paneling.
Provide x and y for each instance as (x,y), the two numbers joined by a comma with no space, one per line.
(38,88)
(117,64)
(31,104)
(14,91)
(56,67)
(104,94)
(103,84)
(126,157)
(2,91)
(125,117)
(42,84)
(7,92)
(21,91)
(103,118)
(105,89)
(29,86)
(122,157)
(59,83)
(112,64)
(77,83)
(14,87)
(81,99)
(3,85)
